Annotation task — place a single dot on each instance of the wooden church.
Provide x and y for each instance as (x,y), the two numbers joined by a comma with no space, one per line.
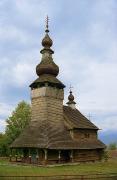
(56,133)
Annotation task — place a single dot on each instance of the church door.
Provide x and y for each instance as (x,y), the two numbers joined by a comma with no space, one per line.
(65,155)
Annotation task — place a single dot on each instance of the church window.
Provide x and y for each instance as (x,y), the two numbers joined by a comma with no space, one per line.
(87,135)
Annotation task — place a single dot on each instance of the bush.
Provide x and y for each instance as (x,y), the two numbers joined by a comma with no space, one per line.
(112,146)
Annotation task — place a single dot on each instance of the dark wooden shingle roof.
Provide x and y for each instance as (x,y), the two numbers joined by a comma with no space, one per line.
(77,120)
(44,135)
(49,79)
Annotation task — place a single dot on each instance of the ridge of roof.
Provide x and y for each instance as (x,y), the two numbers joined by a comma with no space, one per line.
(76,119)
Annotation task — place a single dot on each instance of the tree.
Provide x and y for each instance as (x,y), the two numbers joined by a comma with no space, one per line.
(17,121)
(4,149)
(15,124)
(112,146)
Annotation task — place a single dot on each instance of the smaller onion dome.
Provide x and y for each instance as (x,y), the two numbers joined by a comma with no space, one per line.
(47,42)
(71,97)
(71,103)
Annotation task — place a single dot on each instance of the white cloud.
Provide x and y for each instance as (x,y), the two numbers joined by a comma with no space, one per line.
(21,73)
(5,109)
(99,85)
(104,8)
(108,123)
(13,33)
(34,12)
(86,52)
(2,125)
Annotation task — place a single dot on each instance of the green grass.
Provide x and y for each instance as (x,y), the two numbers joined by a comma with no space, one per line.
(9,169)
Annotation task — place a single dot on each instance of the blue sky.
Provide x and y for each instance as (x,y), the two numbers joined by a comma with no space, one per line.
(85,45)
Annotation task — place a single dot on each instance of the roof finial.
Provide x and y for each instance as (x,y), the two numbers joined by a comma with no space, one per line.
(71,103)
(70,88)
(47,20)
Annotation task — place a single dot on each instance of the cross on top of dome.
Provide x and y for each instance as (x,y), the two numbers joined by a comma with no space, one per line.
(47,22)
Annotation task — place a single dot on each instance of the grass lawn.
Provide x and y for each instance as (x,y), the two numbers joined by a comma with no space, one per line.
(9,169)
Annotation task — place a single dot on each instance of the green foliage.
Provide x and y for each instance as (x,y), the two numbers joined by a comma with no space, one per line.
(4,150)
(15,124)
(112,146)
(17,121)
(105,155)
(1,136)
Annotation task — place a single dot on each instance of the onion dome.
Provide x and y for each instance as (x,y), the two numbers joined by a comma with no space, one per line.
(71,103)
(47,42)
(71,97)
(47,65)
